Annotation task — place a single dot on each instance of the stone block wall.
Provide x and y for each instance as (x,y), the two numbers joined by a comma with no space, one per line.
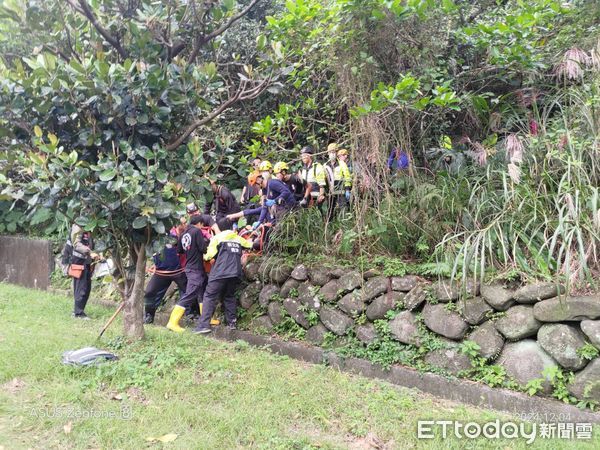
(524,330)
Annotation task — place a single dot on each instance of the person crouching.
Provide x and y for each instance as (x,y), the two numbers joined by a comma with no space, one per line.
(224,277)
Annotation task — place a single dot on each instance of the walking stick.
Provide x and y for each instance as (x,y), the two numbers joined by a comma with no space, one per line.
(111,319)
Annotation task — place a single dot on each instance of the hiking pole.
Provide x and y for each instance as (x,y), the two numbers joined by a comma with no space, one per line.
(111,319)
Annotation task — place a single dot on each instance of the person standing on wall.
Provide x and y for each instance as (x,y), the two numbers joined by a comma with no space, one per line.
(292,180)
(313,175)
(340,180)
(80,268)
(223,201)
(250,189)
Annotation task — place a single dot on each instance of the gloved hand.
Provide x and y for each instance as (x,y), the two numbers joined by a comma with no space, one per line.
(347,195)
(269,203)
(255,225)
(303,202)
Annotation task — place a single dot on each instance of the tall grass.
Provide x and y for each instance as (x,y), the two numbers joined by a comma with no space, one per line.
(546,222)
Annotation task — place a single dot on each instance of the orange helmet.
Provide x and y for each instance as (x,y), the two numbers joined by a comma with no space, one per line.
(252,178)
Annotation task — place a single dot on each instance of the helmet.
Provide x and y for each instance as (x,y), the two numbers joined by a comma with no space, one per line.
(252,178)
(280,166)
(191,208)
(342,151)
(307,149)
(265,166)
(332,147)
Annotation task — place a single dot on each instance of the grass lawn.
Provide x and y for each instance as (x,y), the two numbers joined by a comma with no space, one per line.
(196,392)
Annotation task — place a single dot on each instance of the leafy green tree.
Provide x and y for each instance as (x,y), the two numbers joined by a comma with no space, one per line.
(103,120)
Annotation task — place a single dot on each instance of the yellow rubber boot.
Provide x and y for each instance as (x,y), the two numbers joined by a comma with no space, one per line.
(176,316)
(213,321)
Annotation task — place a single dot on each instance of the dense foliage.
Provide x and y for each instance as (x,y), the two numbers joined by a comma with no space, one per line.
(512,85)
(119,108)
(98,109)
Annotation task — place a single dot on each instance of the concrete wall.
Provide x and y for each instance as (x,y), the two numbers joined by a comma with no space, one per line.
(26,262)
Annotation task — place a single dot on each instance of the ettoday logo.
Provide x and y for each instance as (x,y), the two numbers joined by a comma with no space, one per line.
(429,429)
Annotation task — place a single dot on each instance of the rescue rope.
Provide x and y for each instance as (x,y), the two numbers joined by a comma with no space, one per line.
(163,273)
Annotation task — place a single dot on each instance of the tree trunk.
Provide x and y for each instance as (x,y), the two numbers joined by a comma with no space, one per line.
(133,312)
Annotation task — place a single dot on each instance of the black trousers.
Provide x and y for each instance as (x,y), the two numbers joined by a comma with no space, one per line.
(157,288)
(81,289)
(215,289)
(336,201)
(194,291)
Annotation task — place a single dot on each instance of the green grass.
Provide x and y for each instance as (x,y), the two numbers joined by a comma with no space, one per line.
(210,394)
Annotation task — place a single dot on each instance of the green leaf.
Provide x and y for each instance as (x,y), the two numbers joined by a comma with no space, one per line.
(159,227)
(261,42)
(107,175)
(41,215)
(163,210)
(140,222)
(78,67)
(82,221)
(161,176)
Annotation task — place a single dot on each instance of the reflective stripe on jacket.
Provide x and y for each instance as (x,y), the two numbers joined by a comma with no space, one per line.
(315,175)
(227,247)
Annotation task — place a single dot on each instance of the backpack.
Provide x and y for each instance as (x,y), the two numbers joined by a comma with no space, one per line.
(65,256)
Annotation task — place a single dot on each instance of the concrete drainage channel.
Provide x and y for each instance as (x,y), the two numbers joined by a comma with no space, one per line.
(469,392)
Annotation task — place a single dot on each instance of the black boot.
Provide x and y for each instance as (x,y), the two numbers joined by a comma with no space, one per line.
(149,315)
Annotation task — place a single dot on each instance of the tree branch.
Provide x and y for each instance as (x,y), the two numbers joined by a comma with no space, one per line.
(75,7)
(85,10)
(203,39)
(241,94)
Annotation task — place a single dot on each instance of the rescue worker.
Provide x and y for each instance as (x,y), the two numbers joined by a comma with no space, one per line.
(224,277)
(250,189)
(82,258)
(192,210)
(313,175)
(193,243)
(167,269)
(223,201)
(398,160)
(292,180)
(265,169)
(279,199)
(255,211)
(256,163)
(340,180)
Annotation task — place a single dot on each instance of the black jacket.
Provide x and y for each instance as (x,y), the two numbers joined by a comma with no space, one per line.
(227,247)
(225,203)
(193,243)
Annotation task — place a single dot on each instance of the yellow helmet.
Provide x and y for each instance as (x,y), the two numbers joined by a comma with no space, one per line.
(265,166)
(280,166)
(332,147)
(342,151)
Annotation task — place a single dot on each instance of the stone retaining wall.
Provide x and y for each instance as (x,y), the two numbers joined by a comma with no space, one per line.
(524,329)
